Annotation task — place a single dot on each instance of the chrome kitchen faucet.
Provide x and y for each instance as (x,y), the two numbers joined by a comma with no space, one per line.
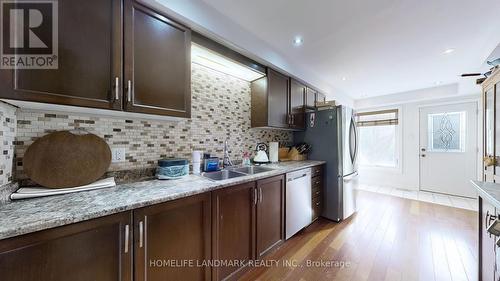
(226,161)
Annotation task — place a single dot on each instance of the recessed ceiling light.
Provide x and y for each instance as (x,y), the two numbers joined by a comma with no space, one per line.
(297,41)
(344,78)
(448,51)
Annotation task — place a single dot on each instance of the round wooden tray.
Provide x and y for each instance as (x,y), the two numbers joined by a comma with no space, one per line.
(63,159)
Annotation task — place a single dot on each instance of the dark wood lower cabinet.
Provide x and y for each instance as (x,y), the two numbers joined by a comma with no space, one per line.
(247,223)
(185,239)
(172,240)
(270,230)
(487,246)
(90,250)
(233,228)
(317,182)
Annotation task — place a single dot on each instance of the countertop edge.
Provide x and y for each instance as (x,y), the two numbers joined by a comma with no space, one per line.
(24,229)
(480,187)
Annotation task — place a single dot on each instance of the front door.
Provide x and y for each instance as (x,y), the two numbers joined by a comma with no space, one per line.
(448,148)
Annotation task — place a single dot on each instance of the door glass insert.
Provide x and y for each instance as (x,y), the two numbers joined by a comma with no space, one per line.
(446,132)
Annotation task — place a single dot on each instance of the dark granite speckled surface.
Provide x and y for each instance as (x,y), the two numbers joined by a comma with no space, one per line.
(30,215)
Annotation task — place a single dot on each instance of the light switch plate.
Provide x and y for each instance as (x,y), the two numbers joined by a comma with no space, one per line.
(117,154)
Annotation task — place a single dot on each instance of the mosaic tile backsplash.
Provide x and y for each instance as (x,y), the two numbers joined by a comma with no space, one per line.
(7,134)
(220,111)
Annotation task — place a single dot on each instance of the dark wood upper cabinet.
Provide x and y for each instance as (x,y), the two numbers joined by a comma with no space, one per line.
(90,250)
(233,228)
(89,60)
(270,100)
(320,97)
(310,98)
(157,63)
(297,105)
(270,228)
(178,230)
(278,99)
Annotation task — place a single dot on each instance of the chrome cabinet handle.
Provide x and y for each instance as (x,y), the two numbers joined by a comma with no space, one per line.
(255,196)
(129,91)
(141,234)
(117,88)
(487,219)
(127,237)
(260,195)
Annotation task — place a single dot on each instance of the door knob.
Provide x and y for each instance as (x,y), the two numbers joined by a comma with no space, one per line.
(423,149)
(423,155)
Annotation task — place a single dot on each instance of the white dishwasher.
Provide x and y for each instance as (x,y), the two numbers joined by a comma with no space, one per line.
(298,201)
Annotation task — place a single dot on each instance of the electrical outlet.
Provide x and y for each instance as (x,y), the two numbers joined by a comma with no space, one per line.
(117,154)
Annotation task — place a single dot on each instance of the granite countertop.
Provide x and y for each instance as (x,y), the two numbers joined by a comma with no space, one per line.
(488,191)
(30,215)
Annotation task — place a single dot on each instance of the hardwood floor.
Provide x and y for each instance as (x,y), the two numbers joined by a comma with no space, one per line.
(390,238)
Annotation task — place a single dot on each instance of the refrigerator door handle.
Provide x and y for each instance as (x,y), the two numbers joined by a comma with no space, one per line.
(350,177)
(353,141)
(356,141)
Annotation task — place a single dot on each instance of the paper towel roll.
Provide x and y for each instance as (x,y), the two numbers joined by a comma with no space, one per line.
(196,161)
(273,151)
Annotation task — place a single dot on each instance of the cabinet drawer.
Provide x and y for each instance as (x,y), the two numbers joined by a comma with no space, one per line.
(316,202)
(317,171)
(316,208)
(316,191)
(317,182)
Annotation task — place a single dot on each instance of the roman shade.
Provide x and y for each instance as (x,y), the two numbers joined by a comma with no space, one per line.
(377,118)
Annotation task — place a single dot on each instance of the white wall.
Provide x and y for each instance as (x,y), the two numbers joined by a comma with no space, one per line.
(407,175)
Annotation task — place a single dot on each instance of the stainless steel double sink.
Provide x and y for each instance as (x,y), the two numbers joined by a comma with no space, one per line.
(230,173)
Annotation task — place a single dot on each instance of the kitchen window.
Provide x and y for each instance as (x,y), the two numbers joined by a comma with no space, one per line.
(379,138)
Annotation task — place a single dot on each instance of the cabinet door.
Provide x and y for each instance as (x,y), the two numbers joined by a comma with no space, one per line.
(320,97)
(174,231)
(277,99)
(233,217)
(270,227)
(157,63)
(487,241)
(89,62)
(489,131)
(90,250)
(297,105)
(310,98)
(497,130)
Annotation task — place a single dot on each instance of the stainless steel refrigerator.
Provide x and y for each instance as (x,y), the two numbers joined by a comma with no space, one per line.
(333,137)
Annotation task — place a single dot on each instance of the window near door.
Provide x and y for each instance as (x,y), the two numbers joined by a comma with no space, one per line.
(379,138)
(446,132)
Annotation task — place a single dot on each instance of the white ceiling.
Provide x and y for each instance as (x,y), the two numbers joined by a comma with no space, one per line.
(380,47)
